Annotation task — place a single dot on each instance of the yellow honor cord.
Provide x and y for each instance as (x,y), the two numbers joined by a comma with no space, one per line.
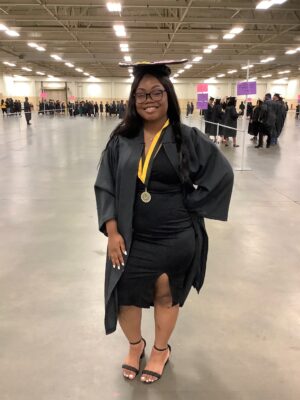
(142,171)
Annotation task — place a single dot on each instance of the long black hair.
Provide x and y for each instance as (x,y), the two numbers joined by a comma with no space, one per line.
(133,123)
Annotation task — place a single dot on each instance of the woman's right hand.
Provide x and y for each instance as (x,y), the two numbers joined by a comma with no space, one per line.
(116,249)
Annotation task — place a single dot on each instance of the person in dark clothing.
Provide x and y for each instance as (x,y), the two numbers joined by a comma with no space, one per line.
(101,108)
(3,107)
(106,109)
(153,164)
(297,111)
(121,110)
(230,120)
(96,108)
(268,118)
(27,111)
(188,109)
(217,117)
(242,108)
(192,108)
(208,116)
(249,110)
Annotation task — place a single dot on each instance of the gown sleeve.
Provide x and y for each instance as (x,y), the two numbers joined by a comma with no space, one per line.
(212,178)
(105,184)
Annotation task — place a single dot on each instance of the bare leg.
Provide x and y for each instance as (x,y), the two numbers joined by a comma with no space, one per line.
(165,320)
(130,321)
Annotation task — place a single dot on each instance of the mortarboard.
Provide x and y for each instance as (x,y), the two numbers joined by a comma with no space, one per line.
(160,67)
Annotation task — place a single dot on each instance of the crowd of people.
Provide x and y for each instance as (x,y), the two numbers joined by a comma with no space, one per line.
(10,106)
(266,118)
(90,108)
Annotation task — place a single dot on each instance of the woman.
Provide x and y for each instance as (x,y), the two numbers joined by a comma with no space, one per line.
(230,120)
(153,215)
(217,118)
(254,125)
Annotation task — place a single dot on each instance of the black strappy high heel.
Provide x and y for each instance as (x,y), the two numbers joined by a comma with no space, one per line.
(155,374)
(130,367)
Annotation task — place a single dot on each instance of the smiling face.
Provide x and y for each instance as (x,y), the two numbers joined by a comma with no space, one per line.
(152,110)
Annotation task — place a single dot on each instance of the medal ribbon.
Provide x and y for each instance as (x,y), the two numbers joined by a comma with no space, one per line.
(145,164)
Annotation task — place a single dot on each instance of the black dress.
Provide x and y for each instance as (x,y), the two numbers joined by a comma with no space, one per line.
(163,239)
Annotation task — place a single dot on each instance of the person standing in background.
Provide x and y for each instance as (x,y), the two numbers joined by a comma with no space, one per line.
(27,111)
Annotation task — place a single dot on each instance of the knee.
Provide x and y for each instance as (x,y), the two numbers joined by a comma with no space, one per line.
(163,300)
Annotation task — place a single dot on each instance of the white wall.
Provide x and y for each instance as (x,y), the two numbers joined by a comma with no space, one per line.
(119,88)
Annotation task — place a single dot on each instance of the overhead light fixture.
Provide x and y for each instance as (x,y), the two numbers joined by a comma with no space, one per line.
(124,47)
(12,33)
(40,73)
(9,64)
(78,69)
(253,78)
(196,59)
(232,71)
(188,66)
(50,76)
(266,76)
(86,74)
(284,72)
(176,75)
(3,27)
(70,65)
(180,71)
(236,30)
(92,77)
(220,75)
(247,66)
(212,46)
(265,60)
(207,51)
(26,69)
(114,7)
(130,70)
(119,30)
(40,48)
(291,51)
(264,5)
(31,44)
(127,58)
(56,57)
(229,36)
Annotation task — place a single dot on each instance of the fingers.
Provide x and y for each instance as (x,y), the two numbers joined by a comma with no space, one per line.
(116,255)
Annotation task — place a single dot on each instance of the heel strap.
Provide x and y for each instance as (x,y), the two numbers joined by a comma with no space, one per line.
(166,348)
(133,343)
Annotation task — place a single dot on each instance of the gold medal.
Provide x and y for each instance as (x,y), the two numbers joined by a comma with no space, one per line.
(146,197)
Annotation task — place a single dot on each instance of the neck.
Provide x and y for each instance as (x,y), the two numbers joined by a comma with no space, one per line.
(153,127)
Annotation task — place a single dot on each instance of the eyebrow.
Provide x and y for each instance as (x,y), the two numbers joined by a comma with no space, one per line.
(153,87)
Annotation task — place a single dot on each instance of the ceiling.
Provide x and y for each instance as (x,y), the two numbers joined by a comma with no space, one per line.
(83,34)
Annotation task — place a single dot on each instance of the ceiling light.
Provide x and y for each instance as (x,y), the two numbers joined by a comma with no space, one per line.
(50,76)
(56,57)
(124,47)
(130,70)
(266,76)
(264,5)
(188,66)
(232,71)
(278,1)
(40,48)
(86,74)
(127,58)
(176,75)
(9,63)
(92,77)
(196,59)
(114,7)
(12,33)
(229,36)
(180,71)
(247,66)
(253,78)
(31,44)
(40,73)
(207,51)
(212,46)
(26,69)
(70,65)
(291,51)
(236,30)
(265,60)
(120,30)
(284,72)
(79,69)
(3,27)
(220,75)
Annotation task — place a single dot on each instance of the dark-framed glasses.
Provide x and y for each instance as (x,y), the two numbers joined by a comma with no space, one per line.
(155,95)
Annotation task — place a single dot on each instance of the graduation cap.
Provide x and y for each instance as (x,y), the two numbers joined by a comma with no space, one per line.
(144,67)
(212,98)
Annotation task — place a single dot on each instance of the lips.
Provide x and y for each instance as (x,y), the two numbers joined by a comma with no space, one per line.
(150,108)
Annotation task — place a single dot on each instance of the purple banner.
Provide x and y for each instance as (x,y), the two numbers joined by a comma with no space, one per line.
(202,97)
(202,105)
(246,88)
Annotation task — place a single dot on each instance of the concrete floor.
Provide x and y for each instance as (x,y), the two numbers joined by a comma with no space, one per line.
(238,340)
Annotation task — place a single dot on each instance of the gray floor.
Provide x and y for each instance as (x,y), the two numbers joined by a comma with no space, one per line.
(238,340)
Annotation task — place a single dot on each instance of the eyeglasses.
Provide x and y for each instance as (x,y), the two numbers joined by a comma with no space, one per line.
(154,95)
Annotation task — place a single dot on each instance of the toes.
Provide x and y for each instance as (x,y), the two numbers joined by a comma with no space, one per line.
(128,374)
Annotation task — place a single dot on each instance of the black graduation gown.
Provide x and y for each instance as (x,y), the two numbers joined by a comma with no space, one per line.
(115,195)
